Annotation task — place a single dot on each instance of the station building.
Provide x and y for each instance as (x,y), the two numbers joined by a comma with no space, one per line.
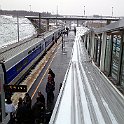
(106,47)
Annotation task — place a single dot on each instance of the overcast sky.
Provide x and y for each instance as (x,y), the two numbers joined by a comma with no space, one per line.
(67,7)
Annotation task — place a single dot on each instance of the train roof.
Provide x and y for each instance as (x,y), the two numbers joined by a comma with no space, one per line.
(13,49)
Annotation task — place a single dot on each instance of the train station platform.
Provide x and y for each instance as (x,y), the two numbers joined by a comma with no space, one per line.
(57,58)
(86,96)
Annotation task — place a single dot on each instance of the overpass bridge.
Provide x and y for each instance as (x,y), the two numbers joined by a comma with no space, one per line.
(108,19)
(86,18)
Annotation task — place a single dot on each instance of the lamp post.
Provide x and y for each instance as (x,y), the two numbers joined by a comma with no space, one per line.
(84,10)
(112,11)
(30,8)
(2,95)
(56,15)
(18,26)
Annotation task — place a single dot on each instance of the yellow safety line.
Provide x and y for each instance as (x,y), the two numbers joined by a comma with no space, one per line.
(43,76)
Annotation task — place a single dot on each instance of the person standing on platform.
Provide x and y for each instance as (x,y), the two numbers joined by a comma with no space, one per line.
(41,96)
(62,42)
(25,113)
(60,86)
(19,116)
(28,100)
(10,109)
(20,102)
(38,111)
(75,30)
(50,87)
(51,73)
(67,30)
(42,100)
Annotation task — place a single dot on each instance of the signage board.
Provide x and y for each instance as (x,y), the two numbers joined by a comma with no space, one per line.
(15,88)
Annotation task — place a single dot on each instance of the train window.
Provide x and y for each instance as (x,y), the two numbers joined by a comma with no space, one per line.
(38,45)
(33,49)
(25,61)
(29,51)
(19,66)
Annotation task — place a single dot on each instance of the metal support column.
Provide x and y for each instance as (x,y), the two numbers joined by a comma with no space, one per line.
(77,23)
(111,47)
(96,49)
(47,25)
(103,46)
(108,22)
(2,96)
(93,44)
(88,38)
(18,26)
(39,31)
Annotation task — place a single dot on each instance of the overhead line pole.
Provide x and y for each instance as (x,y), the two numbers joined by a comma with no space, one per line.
(84,10)
(18,26)
(56,15)
(112,11)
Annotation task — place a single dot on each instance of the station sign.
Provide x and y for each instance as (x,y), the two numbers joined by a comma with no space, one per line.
(15,88)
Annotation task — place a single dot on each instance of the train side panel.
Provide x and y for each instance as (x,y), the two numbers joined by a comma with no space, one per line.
(17,66)
(14,73)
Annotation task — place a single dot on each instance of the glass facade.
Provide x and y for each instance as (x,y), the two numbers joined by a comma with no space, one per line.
(115,56)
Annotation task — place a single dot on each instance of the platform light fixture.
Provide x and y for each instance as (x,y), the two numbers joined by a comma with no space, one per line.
(112,11)
(84,10)
(30,8)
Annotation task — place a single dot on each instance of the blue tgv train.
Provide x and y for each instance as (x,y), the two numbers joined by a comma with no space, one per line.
(16,67)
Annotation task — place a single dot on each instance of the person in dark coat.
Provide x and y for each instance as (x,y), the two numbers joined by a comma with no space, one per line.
(67,30)
(24,114)
(28,100)
(19,111)
(50,87)
(37,111)
(42,100)
(60,86)
(51,73)
(75,30)
(20,102)
(41,96)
